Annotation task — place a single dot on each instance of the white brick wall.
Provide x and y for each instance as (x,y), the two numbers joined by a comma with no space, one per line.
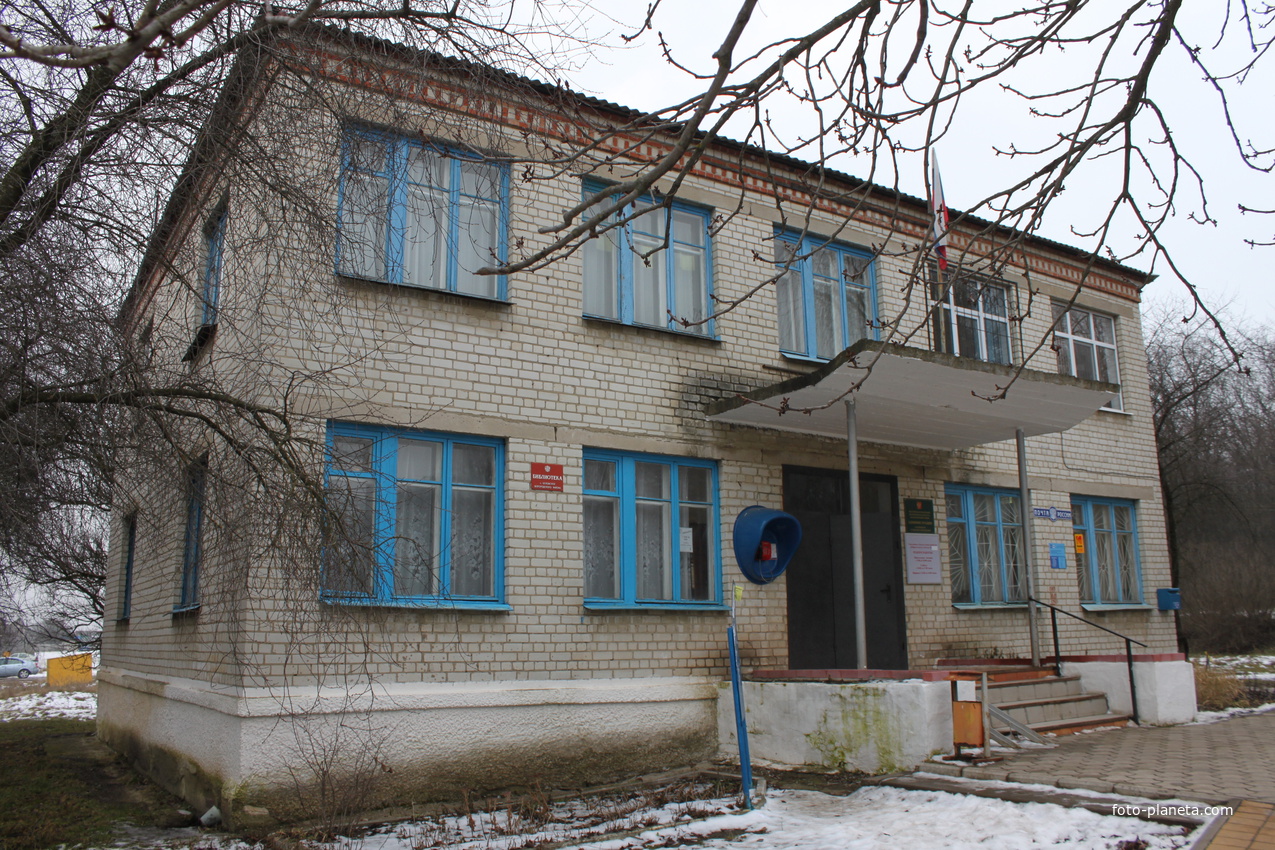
(551,383)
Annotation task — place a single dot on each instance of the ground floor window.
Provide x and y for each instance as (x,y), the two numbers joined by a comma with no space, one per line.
(1106,550)
(130,553)
(416,517)
(193,542)
(650,531)
(987,555)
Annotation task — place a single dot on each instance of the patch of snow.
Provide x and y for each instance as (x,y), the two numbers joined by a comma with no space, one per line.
(1233,661)
(995,784)
(1205,717)
(878,818)
(873,818)
(76,705)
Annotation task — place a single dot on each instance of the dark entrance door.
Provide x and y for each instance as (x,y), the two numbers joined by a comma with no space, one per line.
(820,579)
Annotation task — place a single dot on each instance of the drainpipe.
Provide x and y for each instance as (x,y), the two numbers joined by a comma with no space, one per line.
(1024,494)
(856,534)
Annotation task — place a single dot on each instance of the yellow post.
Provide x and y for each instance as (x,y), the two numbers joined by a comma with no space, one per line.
(70,670)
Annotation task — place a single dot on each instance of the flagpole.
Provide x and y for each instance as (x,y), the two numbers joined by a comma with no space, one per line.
(939,216)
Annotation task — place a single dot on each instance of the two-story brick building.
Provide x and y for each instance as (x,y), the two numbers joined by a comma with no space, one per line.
(537,472)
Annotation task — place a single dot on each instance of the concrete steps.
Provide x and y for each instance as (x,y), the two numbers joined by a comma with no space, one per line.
(1048,703)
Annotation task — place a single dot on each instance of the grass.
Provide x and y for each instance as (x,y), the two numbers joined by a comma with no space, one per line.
(1234,681)
(57,787)
(1217,688)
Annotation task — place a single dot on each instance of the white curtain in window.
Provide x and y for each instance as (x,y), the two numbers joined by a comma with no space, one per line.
(654,581)
(654,578)
(856,314)
(416,544)
(472,542)
(601,276)
(477,246)
(690,288)
(788,295)
(690,273)
(350,553)
(364,213)
(650,295)
(601,547)
(424,238)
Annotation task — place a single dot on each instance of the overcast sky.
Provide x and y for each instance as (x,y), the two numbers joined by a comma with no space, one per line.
(1229,273)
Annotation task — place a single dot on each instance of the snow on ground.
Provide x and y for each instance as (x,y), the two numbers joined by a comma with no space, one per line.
(891,818)
(1203,717)
(872,818)
(1243,663)
(76,705)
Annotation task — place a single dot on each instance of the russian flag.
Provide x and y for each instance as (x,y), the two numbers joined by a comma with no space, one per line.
(939,209)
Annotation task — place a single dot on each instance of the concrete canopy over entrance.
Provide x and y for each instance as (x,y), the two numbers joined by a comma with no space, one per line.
(914,397)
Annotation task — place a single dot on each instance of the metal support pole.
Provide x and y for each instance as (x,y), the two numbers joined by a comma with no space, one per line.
(987,719)
(1025,496)
(1053,623)
(1133,688)
(856,534)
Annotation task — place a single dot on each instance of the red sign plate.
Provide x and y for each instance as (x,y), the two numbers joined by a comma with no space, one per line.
(546,476)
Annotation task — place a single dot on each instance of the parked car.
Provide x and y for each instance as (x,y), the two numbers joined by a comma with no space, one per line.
(19,667)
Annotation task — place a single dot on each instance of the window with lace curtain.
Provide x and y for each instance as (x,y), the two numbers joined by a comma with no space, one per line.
(985,545)
(420,214)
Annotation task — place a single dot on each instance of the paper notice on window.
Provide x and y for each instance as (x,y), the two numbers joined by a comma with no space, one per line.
(687,541)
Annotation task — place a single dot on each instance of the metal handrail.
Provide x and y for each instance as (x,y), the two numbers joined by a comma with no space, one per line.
(1054,611)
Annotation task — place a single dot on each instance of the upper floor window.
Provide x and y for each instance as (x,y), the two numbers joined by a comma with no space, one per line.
(825,294)
(652,270)
(1085,343)
(420,214)
(214,245)
(193,543)
(130,552)
(987,555)
(417,517)
(971,319)
(650,531)
(1106,550)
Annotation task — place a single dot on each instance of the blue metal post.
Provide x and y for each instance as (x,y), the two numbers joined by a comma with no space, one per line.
(741,727)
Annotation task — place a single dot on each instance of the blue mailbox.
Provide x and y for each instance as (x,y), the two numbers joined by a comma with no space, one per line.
(1169,598)
(765,541)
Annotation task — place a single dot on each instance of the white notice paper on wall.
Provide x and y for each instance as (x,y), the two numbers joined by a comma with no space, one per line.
(925,566)
(688,540)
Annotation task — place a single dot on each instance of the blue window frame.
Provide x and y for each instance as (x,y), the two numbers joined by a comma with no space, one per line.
(421,214)
(193,545)
(1106,550)
(650,531)
(985,545)
(417,518)
(826,296)
(214,247)
(130,548)
(632,276)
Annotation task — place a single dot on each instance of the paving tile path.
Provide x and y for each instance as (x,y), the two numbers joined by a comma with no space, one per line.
(1215,762)
(1228,762)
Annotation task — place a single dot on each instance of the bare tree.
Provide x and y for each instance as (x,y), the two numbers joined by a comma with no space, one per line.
(101,108)
(1214,433)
